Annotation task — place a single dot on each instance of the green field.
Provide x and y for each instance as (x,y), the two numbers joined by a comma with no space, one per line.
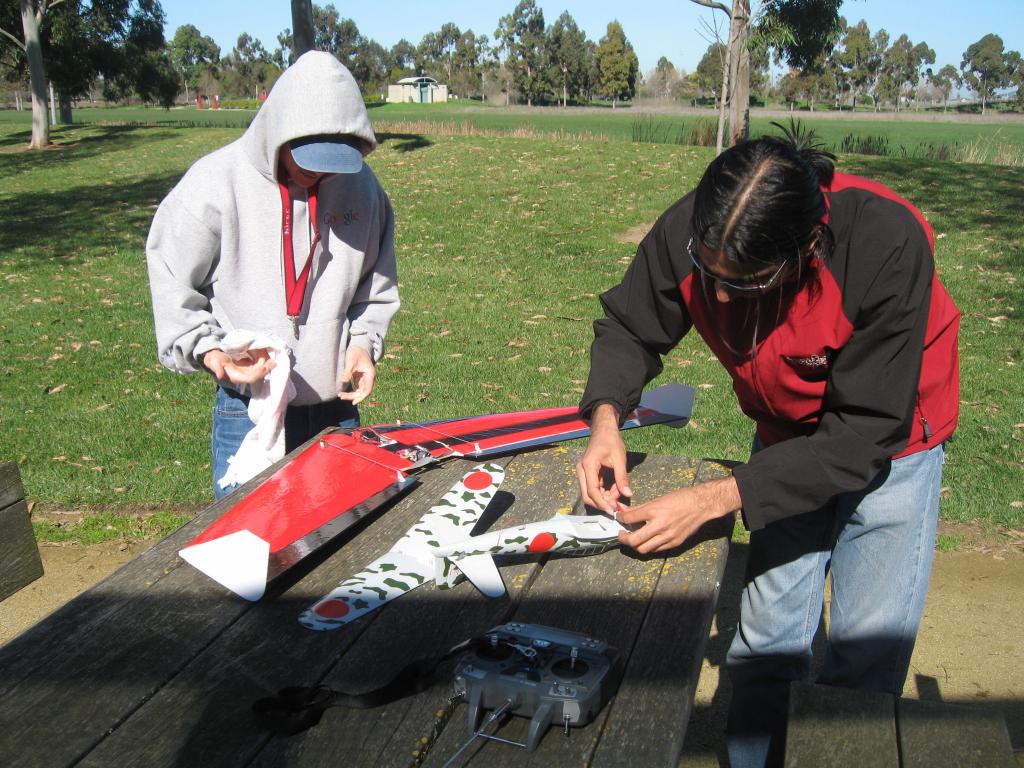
(503,244)
(982,142)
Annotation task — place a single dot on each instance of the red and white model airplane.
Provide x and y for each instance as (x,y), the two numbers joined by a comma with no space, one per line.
(350,473)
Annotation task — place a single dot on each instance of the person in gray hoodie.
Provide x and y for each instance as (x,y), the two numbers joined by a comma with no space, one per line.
(283,233)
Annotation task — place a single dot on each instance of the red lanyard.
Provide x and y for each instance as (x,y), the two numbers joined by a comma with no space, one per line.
(295,287)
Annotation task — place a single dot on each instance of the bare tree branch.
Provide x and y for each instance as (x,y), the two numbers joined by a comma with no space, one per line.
(715,6)
(13,39)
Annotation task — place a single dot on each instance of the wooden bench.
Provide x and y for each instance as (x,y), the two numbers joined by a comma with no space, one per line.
(839,727)
(19,556)
(157,665)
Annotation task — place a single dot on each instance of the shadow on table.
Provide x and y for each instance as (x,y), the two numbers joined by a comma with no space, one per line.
(705,735)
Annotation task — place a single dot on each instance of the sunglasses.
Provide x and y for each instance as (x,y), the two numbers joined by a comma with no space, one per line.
(732,283)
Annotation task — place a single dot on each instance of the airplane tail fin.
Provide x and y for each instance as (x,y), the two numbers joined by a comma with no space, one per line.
(672,399)
(479,569)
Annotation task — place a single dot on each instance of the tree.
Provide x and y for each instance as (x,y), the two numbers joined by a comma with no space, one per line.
(664,80)
(861,57)
(617,64)
(403,59)
(68,44)
(797,30)
(985,67)
(521,36)
(335,34)
(248,68)
(901,67)
(437,50)
(1015,63)
(371,67)
(710,69)
(567,52)
(191,52)
(32,13)
(944,81)
(468,63)
(810,83)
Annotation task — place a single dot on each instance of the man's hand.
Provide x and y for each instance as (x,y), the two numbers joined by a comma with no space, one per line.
(604,451)
(360,372)
(669,520)
(251,367)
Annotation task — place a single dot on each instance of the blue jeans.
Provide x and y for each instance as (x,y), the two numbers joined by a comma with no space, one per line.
(878,544)
(231,424)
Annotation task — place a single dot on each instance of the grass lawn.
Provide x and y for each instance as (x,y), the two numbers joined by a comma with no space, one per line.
(905,138)
(503,244)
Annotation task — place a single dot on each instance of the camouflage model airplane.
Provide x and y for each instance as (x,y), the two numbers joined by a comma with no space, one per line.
(473,557)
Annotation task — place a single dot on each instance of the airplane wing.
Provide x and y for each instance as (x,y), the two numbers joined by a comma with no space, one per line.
(410,562)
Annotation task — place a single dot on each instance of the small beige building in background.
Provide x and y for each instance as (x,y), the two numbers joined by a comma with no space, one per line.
(417,90)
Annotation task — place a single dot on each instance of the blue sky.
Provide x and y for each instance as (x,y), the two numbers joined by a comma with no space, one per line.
(656,28)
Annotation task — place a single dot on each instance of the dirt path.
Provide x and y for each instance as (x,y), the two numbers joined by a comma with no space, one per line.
(968,650)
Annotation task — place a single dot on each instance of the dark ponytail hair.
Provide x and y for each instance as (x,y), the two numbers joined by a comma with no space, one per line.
(761,202)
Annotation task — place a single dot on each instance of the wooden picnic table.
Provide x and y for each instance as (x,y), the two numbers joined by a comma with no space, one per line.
(157,665)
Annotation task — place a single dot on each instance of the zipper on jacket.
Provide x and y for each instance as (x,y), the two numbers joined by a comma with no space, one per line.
(924,422)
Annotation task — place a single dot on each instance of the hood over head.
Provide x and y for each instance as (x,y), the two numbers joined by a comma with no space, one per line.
(315,96)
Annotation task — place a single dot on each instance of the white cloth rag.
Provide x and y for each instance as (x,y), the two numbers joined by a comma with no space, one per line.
(268,400)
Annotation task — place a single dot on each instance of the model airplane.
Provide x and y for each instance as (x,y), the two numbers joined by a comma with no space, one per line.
(350,473)
(473,557)
(410,563)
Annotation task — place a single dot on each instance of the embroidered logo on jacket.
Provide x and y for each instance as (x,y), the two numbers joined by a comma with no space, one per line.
(810,367)
(347,218)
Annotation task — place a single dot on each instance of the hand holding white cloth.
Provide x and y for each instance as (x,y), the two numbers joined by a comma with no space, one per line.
(268,400)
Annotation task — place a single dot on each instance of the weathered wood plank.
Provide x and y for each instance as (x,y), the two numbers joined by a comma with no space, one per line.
(11,489)
(840,727)
(423,624)
(203,715)
(20,563)
(648,719)
(939,735)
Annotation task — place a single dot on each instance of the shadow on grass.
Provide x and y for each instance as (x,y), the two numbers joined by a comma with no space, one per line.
(47,218)
(405,142)
(956,196)
(70,144)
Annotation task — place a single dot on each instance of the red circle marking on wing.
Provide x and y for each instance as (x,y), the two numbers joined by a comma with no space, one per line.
(332,609)
(542,542)
(478,481)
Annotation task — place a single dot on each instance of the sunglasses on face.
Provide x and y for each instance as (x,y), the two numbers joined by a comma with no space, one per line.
(751,284)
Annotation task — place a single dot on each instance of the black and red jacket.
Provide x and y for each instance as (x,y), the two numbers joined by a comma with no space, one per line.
(854,367)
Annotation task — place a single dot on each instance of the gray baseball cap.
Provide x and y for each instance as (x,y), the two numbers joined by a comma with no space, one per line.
(330,153)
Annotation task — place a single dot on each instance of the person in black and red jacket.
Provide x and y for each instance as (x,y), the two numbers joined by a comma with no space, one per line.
(817,291)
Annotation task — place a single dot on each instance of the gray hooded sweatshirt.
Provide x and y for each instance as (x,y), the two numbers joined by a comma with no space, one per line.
(215,247)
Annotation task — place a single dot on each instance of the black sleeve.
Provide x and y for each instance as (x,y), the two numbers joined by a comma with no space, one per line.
(644,318)
(886,277)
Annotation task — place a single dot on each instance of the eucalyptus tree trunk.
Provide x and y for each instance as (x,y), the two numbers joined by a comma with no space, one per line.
(735,72)
(36,75)
(739,72)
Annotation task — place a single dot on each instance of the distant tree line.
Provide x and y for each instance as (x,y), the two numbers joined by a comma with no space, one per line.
(115,50)
(867,67)
(525,60)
